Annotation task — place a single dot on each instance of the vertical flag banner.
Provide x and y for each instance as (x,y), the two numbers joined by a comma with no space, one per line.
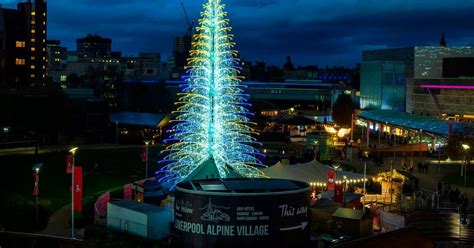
(331,180)
(78,188)
(35,189)
(69,164)
(127,192)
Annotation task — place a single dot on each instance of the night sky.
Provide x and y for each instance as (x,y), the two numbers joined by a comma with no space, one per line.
(317,32)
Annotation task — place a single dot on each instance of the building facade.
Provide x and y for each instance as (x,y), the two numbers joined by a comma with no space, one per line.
(23,44)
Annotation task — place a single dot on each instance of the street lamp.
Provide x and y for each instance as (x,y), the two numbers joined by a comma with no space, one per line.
(366,156)
(73,152)
(466,148)
(36,169)
(147,142)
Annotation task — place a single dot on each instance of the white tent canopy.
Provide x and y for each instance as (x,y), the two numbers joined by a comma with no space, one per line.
(311,172)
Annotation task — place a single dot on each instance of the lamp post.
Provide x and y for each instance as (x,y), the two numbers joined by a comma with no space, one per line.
(73,152)
(36,169)
(116,133)
(366,156)
(466,148)
(147,142)
(421,141)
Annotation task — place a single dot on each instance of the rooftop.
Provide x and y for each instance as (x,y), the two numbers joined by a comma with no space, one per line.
(348,213)
(243,185)
(405,120)
(139,119)
(138,207)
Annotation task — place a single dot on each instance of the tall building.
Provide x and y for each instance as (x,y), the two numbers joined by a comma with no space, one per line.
(56,62)
(181,48)
(443,83)
(422,80)
(429,59)
(383,85)
(93,47)
(23,44)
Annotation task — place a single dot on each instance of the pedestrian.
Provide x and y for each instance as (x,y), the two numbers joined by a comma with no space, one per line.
(456,195)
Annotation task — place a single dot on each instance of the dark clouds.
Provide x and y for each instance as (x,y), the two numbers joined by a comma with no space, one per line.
(320,32)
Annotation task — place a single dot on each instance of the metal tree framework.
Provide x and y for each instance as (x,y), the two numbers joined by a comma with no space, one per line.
(212,122)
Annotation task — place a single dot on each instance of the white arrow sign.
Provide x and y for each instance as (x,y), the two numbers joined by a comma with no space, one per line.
(302,226)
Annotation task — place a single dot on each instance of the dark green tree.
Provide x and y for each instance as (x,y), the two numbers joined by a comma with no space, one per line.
(342,110)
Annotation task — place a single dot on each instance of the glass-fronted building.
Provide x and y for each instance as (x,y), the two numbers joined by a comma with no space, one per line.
(383,85)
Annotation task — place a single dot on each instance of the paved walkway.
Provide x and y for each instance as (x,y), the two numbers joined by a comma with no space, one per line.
(47,149)
(427,180)
(58,224)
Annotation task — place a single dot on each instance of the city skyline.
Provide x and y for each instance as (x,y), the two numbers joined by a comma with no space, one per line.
(267,30)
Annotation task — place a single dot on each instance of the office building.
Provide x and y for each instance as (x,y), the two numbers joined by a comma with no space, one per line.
(93,47)
(23,45)
(384,73)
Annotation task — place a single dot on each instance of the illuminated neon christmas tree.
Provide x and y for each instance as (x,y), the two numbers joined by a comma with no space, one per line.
(212,134)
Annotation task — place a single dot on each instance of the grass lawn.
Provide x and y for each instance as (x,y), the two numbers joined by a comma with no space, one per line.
(456,179)
(116,167)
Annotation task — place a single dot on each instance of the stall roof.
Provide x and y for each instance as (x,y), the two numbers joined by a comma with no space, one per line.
(406,120)
(347,213)
(138,119)
(138,207)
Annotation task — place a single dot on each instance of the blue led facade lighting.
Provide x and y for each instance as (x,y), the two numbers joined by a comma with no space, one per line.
(212,127)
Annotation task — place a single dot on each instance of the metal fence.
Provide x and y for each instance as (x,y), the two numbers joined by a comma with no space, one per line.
(426,200)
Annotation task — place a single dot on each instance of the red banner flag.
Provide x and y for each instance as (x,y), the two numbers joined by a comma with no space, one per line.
(69,164)
(35,189)
(78,188)
(127,192)
(331,180)
(338,195)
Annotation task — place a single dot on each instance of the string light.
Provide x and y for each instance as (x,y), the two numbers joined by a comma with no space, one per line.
(212,116)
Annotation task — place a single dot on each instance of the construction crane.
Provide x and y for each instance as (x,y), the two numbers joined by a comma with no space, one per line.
(189,22)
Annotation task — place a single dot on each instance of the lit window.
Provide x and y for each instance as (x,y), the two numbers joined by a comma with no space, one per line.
(32,76)
(44,58)
(44,23)
(44,49)
(33,31)
(44,31)
(19,61)
(32,66)
(63,78)
(44,13)
(44,40)
(20,44)
(33,22)
(33,49)
(33,40)
(33,58)
(33,13)
(44,75)
(44,67)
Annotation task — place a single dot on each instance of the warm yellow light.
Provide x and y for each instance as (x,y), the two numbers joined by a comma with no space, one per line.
(33,49)
(33,13)
(20,44)
(330,130)
(19,61)
(343,132)
(32,75)
(73,150)
(292,109)
(37,170)
(466,147)
(32,66)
